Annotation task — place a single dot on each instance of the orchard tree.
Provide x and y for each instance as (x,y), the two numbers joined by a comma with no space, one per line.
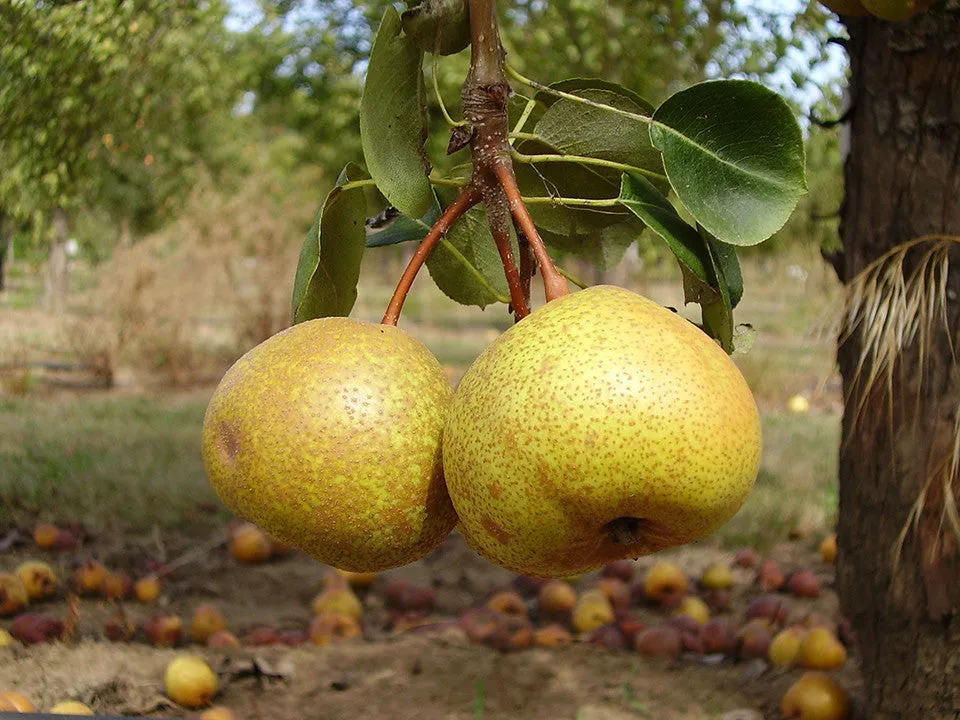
(899,531)
(101,96)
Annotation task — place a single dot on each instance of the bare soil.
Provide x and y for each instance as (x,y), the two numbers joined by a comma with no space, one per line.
(385,674)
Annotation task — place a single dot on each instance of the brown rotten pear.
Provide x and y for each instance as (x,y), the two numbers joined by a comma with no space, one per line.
(327,436)
(600,427)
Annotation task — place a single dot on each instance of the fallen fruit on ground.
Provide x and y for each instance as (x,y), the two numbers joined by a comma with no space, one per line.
(664,580)
(769,576)
(609,637)
(746,558)
(717,577)
(592,610)
(119,627)
(223,639)
(600,427)
(190,682)
(663,642)
(332,627)
(785,646)
(16,702)
(753,640)
(768,607)
(616,590)
(147,589)
(327,435)
(261,636)
(32,629)
(13,594)
(552,635)
(249,544)
(556,598)
(693,607)
(816,696)
(718,636)
(163,629)
(338,600)
(508,603)
(88,578)
(206,620)
(218,712)
(45,536)
(620,569)
(6,639)
(116,585)
(820,650)
(828,549)
(803,583)
(70,707)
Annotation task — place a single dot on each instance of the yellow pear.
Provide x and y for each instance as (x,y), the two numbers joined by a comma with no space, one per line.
(785,646)
(327,436)
(846,7)
(70,707)
(190,681)
(602,426)
(820,650)
(693,607)
(828,549)
(815,696)
(896,10)
(717,577)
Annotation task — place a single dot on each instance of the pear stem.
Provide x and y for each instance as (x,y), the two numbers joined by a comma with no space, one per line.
(499,223)
(469,197)
(554,284)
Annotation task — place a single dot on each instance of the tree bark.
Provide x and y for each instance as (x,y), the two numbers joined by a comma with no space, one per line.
(902,181)
(57,264)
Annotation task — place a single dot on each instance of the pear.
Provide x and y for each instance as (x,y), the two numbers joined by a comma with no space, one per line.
(600,427)
(815,696)
(327,436)
(846,7)
(896,10)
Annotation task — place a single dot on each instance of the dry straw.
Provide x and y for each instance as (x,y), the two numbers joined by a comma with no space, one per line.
(891,312)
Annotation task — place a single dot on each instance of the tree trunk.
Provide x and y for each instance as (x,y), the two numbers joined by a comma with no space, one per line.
(903,181)
(57,265)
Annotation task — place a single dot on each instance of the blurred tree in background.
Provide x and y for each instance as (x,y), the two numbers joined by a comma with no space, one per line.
(110,112)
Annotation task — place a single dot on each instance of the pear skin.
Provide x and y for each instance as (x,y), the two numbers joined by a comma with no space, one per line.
(327,436)
(600,427)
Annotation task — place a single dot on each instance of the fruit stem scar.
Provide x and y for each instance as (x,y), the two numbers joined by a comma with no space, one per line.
(467,198)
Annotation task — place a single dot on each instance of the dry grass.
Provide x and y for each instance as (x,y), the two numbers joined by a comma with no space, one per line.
(892,311)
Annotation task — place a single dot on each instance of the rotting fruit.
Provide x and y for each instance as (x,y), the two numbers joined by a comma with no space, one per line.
(602,426)
(327,435)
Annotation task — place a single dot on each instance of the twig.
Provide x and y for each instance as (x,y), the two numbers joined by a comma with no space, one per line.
(469,197)
(499,224)
(554,284)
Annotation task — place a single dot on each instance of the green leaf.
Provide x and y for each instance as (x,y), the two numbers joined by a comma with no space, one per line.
(329,266)
(404,229)
(573,85)
(393,122)
(643,199)
(706,264)
(734,155)
(439,26)
(466,265)
(572,128)
(725,257)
